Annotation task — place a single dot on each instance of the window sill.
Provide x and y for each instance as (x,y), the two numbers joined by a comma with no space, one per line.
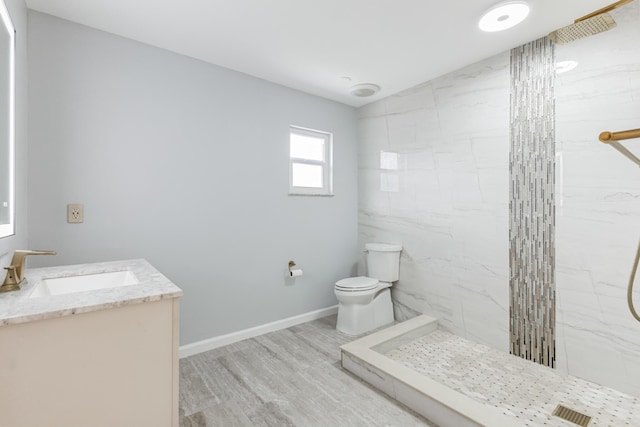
(310,195)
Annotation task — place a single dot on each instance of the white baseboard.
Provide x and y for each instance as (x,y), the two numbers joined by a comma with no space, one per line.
(222,340)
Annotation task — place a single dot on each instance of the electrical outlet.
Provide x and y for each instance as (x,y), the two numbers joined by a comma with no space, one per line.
(75,213)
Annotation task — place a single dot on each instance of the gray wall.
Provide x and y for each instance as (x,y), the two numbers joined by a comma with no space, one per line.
(18,12)
(185,164)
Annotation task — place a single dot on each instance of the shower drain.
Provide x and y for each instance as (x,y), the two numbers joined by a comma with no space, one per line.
(572,416)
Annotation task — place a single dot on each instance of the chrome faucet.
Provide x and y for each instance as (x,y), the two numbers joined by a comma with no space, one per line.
(14,271)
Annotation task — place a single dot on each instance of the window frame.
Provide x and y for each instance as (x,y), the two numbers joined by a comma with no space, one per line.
(327,164)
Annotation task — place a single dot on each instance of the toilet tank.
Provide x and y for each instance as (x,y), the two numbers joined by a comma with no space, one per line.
(383,261)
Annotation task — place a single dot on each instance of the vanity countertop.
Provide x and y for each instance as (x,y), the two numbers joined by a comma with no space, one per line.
(17,306)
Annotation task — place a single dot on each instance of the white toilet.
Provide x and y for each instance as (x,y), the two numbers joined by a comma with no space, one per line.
(364,303)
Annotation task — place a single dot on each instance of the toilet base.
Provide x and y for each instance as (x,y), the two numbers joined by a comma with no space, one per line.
(357,319)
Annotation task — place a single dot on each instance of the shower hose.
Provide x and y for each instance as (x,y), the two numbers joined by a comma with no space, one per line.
(630,288)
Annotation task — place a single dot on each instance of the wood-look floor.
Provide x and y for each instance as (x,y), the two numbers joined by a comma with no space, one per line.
(290,377)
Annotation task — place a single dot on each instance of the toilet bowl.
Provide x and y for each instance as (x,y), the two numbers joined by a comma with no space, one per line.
(361,310)
(364,303)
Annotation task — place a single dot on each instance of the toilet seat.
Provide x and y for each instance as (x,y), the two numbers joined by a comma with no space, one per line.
(356,284)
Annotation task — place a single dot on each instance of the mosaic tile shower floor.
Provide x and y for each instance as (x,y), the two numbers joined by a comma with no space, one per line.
(522,389)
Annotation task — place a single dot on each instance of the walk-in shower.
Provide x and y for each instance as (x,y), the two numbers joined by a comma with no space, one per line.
(572,203)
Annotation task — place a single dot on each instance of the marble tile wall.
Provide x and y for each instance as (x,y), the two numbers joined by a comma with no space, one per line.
(434,176)
(598,206)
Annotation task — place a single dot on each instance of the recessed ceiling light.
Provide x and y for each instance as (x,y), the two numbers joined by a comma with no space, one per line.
(564,66)
(504,15)
(363,90)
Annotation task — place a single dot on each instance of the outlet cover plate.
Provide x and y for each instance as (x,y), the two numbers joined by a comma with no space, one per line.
(75,213)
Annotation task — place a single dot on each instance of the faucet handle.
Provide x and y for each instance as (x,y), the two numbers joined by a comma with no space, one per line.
(10,282)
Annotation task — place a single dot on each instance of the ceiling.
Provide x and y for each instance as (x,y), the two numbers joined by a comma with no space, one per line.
(322,47)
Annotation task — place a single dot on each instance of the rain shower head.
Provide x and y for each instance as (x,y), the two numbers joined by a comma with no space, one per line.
(589,25)
(579,30)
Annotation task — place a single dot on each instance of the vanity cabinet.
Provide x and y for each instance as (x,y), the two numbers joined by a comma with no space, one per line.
(114,366)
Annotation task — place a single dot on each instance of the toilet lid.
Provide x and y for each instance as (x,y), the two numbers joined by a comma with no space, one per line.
(360,283)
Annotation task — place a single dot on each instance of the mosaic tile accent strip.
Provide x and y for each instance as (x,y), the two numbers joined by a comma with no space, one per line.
(532,203)
(523,390)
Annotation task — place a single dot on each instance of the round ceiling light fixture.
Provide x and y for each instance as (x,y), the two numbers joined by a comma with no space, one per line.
(364,90)
(504,15)
(564,66)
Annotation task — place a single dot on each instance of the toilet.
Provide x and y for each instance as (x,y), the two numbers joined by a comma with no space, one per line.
(364,303)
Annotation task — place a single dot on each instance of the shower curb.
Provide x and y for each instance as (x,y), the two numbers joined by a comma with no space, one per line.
(436,402)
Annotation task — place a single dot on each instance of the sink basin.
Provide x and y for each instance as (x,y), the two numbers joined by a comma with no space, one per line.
(83,283)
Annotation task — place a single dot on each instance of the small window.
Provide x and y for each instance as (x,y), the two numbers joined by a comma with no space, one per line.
(310,162)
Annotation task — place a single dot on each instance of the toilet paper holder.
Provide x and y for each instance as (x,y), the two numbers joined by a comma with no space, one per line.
(294,272)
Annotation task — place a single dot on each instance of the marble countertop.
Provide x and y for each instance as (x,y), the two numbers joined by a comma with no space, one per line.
(17,307)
